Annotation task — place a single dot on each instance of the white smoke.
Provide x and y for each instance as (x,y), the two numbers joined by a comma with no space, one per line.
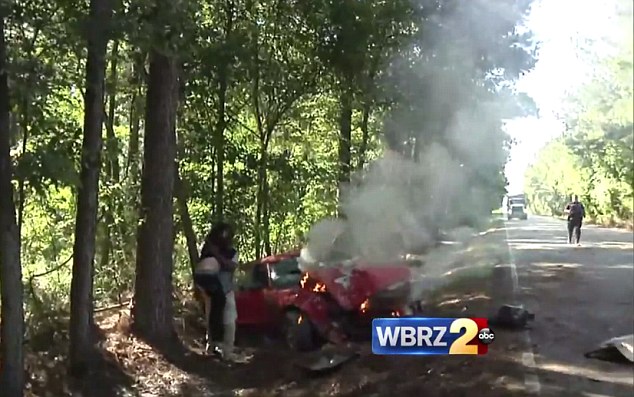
(398,205)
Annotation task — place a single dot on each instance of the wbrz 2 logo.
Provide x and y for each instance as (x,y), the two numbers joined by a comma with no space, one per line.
(410,335)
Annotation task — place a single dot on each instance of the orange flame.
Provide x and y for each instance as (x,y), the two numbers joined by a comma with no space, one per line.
(364,306)
(300,319)
(319,287)
(302,282)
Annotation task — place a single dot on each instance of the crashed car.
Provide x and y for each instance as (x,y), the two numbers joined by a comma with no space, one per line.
(334,304)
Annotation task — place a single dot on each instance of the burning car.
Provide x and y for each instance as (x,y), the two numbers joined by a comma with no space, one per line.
(331,303)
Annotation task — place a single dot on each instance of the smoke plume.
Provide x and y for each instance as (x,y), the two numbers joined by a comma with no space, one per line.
(445,148)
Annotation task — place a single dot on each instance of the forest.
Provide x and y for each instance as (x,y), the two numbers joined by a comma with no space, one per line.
(128,127)
(594,157)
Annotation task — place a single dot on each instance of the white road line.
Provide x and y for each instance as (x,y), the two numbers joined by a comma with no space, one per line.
(531,383)
(528,359)
(531,380)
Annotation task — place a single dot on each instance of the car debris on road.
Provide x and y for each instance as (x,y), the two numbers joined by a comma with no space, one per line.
(615,349)
(511,316)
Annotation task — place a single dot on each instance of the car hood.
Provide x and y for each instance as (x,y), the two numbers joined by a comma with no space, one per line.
(352,286)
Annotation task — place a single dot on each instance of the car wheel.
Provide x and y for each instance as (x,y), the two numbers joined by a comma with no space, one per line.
(299,332)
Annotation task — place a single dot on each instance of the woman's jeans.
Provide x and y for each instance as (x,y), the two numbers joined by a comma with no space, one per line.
(230,317)
(210,284)
(574,230)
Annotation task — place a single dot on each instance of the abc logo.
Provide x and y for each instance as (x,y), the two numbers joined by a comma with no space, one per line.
(486,336)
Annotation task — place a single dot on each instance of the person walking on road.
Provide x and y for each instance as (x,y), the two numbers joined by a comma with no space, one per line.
(576,212)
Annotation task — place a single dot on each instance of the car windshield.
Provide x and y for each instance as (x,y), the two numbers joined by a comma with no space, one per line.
(286,273)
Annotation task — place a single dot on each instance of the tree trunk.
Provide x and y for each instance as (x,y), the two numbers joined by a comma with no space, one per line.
(152,311)
(112,163)
(260,198)
(112,144)
(133,146)
(12,320)
(417,148)
(345,134)
(81,293)
(133,160)
(221,123)
(22,180)
(136,109)
(266,213)
(186,220)
(220,144)
(26,121)
(365,135)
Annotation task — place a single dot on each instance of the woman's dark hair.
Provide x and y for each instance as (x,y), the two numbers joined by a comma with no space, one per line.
(215,235)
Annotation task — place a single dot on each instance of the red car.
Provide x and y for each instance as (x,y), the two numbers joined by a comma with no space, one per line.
(334,303)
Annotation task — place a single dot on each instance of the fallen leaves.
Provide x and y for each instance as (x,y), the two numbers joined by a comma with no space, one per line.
(271,373)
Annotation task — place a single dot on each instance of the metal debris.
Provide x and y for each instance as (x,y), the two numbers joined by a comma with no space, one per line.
(324,361)
(615,349)
(511,316)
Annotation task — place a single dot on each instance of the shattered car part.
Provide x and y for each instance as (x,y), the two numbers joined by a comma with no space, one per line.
(326,362)
(329,358)
(341,302)
(615,349)
(511,316)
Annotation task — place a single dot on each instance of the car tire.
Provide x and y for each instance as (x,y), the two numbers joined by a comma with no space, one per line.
(299,335)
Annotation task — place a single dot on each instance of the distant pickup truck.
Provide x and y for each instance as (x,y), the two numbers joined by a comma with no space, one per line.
(516,207)
(517,211)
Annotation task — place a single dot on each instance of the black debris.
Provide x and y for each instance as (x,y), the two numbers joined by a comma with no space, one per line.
(510,316)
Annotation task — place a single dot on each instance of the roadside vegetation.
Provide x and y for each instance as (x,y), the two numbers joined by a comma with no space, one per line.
(594,158)
(128,127)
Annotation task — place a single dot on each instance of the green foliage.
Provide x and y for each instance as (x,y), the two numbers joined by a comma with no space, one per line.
(554,177)
(265,76)
(595,158)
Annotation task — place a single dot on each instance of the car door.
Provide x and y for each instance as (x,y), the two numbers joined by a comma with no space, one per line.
(251,298)
(285,278)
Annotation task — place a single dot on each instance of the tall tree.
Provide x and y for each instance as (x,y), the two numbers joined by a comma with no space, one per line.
(355,39)
(281,76)
(152,310)
(81,300)
(596,153)
(12,320)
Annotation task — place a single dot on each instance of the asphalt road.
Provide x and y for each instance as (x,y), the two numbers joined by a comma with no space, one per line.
(581,296)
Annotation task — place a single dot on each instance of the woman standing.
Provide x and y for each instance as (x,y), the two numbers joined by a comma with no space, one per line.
(214,275)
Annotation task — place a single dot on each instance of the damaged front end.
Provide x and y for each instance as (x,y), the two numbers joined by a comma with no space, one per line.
(340,303)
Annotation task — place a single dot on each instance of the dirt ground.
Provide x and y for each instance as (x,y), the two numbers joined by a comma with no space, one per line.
(132,368)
